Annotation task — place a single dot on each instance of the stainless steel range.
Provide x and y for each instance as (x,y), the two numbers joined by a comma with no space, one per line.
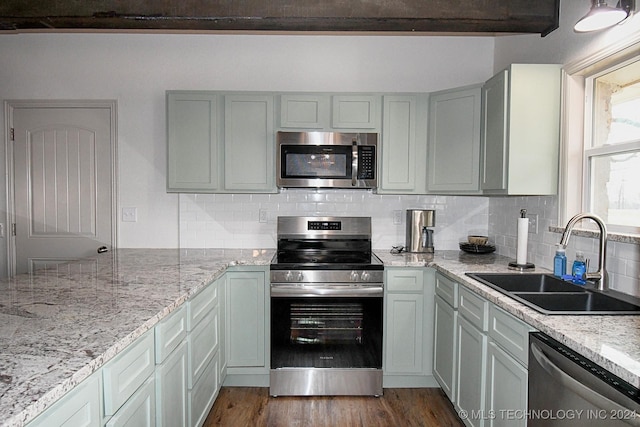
(326,308)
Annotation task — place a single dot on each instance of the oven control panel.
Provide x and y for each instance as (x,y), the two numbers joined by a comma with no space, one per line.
(324,225)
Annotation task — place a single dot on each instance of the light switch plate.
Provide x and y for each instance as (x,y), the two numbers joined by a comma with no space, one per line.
(397,217)
(129,214)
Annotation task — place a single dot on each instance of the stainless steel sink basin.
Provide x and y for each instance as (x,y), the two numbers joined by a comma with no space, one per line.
(551,295)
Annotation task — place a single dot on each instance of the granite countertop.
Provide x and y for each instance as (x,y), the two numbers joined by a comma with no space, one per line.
(60,325)
(613,342)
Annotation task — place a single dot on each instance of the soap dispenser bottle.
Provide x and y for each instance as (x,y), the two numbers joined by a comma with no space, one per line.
(560,262)
(579,269)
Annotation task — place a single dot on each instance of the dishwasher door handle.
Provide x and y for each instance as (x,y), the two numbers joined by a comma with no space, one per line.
(587,393)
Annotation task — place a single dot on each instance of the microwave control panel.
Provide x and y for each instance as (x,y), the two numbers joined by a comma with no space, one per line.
(366,162)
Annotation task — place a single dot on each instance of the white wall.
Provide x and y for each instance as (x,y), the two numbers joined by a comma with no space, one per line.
(136,69)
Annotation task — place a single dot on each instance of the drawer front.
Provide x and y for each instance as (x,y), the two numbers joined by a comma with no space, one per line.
(510,333)
(203,344)
(170,332)
(123,375)
(139,411)
(405,280)
(200,305)
(447,289)
(204,393)
(474,308)
(79,408)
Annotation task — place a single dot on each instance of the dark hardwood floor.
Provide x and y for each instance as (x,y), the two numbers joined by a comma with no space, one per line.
(252,406)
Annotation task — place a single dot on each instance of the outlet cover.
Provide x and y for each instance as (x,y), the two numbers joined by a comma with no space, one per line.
(129,214)
(533,223)
(262,215)
(397,217)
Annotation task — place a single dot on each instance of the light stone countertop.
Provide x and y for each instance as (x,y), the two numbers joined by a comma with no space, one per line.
(60,325)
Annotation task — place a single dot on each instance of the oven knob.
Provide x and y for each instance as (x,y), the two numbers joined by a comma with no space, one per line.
(353,276)
(288,276)
(300,276)
(365,277)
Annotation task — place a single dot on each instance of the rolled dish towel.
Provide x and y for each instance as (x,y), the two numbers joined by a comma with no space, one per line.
(523,235)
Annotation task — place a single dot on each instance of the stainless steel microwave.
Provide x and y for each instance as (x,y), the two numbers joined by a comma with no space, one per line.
(327,160)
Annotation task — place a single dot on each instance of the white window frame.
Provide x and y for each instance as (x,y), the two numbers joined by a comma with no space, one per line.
(576,126)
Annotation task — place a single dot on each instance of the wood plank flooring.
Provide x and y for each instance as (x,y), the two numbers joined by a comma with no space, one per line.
(252,406)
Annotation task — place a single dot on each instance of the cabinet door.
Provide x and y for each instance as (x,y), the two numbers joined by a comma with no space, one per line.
(506,388)
(203,344)
(404,333)
(249,143)
(399,143)
(471,362)
(171,383)
(444,353)
(246,328)
(204,393)
(304,111)
(80,407)
(140,409)
(192,138)
(355,112)
(494,137)
(454,141)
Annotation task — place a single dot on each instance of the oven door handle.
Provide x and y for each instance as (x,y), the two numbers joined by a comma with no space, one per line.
(326,291)
(589,394)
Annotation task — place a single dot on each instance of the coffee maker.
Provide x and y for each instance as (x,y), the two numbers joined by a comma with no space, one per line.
(419,235)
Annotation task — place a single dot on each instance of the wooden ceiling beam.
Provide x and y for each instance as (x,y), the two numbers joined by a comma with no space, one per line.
(442,16)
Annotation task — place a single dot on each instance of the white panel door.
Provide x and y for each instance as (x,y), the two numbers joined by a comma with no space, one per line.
(62,184)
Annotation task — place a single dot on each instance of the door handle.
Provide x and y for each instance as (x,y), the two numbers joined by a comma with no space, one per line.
(103,249)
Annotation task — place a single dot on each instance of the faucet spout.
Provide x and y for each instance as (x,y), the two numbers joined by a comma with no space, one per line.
(599,276)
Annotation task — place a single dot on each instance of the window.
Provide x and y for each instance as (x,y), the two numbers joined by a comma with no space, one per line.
(611,169)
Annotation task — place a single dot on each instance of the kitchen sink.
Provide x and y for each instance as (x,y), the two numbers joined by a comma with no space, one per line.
(551,295)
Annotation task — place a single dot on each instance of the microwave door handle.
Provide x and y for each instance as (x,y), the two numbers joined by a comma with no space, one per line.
(354,163)
(592,396)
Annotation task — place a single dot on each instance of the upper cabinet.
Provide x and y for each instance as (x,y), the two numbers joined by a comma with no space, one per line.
(454,141)
(192,139)
(249,147)
(521,130)
(220,142)
(326,112)
(403,144)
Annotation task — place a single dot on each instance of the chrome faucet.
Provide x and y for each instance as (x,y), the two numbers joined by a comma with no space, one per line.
(599,276)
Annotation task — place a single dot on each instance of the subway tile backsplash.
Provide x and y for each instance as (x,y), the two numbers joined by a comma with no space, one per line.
(623,259)
(233,221)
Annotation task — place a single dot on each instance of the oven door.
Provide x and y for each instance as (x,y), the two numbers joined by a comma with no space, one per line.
(326,331)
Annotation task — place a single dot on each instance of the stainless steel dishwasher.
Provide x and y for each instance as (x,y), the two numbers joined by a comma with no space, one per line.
(566,389)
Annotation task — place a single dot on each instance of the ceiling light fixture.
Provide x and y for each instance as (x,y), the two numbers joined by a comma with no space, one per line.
(603,16)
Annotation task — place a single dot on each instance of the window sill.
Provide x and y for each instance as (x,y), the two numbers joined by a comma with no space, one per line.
(632,239)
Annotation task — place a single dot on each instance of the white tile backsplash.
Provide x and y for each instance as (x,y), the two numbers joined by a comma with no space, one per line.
(232,220)
(623,259)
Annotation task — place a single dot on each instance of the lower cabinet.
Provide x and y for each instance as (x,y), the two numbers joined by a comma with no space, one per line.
(480,357)
(246,328)
(139,410)
(171,383)
(79,408)
(408,327)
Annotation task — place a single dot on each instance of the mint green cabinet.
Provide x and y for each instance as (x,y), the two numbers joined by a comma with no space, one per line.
(445,335)
(403,144)
(454,141)
(521,130)
(246,328)
(193,150)
(355,112)
(139,410)
(79,408)
(408,327)
(304,111)
(249,150)
(507,386)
